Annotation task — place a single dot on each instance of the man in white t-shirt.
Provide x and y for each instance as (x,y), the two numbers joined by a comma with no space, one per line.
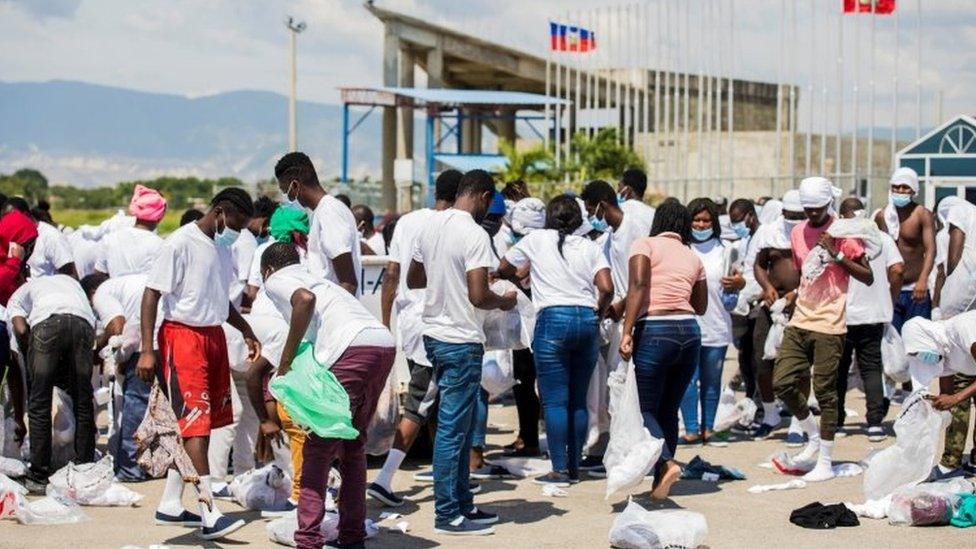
(451,259)
(630,194)
(286,225)
(349,341)
(191,277)
(245,250)
(129,250)
(869,310)
(117,304)
(51,253)
(333,241)
(371,239)
(421,401)
(623,228)
(55,329)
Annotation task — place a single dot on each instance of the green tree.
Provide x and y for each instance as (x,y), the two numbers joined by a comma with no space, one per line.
(602,156)
(535,164)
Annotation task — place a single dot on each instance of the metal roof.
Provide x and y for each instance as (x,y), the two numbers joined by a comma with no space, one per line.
(468,162)
(444,97)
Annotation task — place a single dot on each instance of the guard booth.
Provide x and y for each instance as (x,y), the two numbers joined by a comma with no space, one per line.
(945,160)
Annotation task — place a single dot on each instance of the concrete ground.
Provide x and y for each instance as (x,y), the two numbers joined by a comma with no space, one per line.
(735,517)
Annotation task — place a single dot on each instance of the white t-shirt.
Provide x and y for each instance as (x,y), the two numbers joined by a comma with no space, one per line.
(254,271)
(872,304)
(50,253)
(243,252)
(128,250)
(339,316)
(630,229)
(332,232)
(271,331)
(716,323)
(961,330)
(122,296)
(565,280)
(40,298)
(452,244)
(194,274)
(84,253)
(409,303)
(640,210)
(376,243)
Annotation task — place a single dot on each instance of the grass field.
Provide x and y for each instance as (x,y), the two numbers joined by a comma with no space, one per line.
(76,218)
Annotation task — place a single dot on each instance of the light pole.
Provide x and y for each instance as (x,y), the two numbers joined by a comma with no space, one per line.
(294,27)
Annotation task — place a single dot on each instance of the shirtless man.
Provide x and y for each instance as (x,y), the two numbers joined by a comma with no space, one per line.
(778,276)
(912,227)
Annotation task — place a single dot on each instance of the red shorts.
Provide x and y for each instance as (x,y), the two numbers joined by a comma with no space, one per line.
(197,371)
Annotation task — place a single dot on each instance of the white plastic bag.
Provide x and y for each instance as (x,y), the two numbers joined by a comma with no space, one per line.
(497,372)
(638,528)
(893,356)
(908,461)
(11,447)
(261,489)
(865,229)
(778,321)
(632,451)
(729,412)
(382,426)
(91,484)
(13,468)
(47,510)
(927,504)
(509,330)
(959,290)
(282,530)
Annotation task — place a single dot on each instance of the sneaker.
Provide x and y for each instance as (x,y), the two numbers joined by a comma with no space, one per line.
(284,509)
(384,496)
(969,467)
(223,493)
(747,430)
(489,471)
(795,440)
(689,439)
(424,476)
(34,487)
(554,478)
(474,487)
(599,472)
(222,527)
(591,462)
(464,527)
(876,433)
(763,432)
(335,543)
(718,440)
(937,474)
(478,516)
(186,518)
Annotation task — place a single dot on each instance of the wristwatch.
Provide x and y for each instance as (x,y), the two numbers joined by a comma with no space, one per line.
(839,257)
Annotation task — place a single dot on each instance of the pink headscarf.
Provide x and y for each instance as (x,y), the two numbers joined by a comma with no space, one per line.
(147,204)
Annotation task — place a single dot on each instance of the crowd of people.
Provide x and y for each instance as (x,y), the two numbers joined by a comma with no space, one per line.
(804,286)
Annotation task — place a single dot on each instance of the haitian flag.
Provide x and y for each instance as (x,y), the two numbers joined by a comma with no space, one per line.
(869,6)
(571,38)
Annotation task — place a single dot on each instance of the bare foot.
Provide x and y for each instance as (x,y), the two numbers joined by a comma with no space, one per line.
(672,471)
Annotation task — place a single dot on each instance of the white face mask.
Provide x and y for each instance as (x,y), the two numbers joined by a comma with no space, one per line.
(859,214)
(290,202)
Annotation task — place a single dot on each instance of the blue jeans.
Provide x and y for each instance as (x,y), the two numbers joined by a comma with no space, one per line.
(707,381)
(457,372)
(135,400)
(480,433)
(666,354)
(907,308)
(565,346)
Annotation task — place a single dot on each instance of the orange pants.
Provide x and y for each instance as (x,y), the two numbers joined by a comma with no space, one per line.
(296,441)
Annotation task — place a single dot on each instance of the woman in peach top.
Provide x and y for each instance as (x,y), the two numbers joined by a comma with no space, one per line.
(667,289)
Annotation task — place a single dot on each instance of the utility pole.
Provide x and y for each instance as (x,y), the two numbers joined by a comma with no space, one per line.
(294,27)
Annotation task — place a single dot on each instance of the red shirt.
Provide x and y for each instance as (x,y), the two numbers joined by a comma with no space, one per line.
(14,227)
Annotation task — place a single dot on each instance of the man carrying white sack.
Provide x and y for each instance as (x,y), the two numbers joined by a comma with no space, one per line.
(912,227)
(946,349)
(814,337)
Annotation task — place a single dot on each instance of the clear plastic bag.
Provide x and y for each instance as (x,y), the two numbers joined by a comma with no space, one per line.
(261,489)
(632,451)
(497,372)
(893,356)
(865,229)
(509,330)
(382,426)
(91,484)
(908,461)
(638,528)
(928,504)
(959,290)
(730,413)
(282,530)
(778,321)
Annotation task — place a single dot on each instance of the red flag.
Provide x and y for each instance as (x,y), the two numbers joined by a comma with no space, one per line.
(882,7)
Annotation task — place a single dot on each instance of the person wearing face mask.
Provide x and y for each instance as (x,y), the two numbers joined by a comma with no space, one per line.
(715,325)
(913,228)
(945,349)
(605,214)
(286,225)
(779,277)
(745,221)
(131,250)
(630,195)
(245,249)
(371,240)
(191,276)
(814,338)
(451,260)
(333,240)
(869,309)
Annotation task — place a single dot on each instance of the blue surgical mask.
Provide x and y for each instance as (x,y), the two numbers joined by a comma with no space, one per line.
(226,237)
(514,238)
(928,357)
(598,224)
(900,200)
(740,228)
(621,198)
(290,202)
(262,239)
(702,235)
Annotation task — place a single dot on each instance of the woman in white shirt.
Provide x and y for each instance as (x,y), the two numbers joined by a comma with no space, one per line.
(570,282)
(716,326)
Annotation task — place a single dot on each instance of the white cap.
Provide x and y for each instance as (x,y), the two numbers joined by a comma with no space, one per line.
(791,201)
(905,176)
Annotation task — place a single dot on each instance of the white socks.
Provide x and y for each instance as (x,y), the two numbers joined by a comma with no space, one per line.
(172,501)
(393,461)
(824,469)
(810,426)
(208,509)
(770,414)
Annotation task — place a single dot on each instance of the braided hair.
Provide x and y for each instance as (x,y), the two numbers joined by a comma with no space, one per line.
(238,198)
(563,215)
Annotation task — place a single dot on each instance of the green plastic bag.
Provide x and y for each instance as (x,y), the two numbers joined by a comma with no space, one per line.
(314,398)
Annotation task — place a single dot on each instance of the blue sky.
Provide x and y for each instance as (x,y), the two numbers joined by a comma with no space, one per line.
(195,47)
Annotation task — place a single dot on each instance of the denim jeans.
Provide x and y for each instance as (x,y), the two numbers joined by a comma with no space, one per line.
(480,433)
(457,372)
(566,342)
(707,382)
(135,400)
(666,355)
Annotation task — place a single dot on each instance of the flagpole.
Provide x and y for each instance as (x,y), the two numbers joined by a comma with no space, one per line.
(857,98)
(545,136)
(870,159)
(709,71)
(686,126)
(657,96)
(719,68)
(608,66)
(568,87)
(645,79)
(731,100)
(618,23)
(701,102)
(894,95)
(838,143)
(779,91)
(823,103)
(666,99)
(593,61)
(579,73)
(808,152)
(918,69)
(792,79)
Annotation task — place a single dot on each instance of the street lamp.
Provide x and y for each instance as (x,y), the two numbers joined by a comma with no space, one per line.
(294,27)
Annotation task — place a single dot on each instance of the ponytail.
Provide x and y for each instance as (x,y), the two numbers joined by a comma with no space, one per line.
(564,216)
